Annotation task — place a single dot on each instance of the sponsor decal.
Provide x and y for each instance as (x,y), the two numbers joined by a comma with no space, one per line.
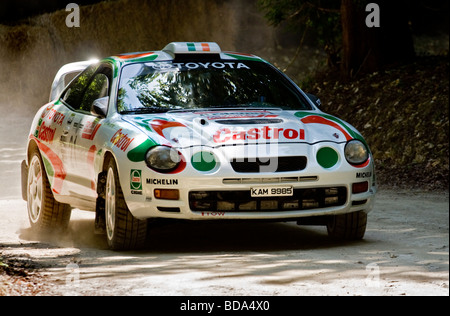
(162,181)
(136,181)
(363,175)
(121,140)
(44,132)
(198,65)
(269,133)
(90,129)
(213,214)
(52,115)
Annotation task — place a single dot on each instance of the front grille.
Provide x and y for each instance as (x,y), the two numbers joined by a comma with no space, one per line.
(269,180)
(272,164)
(242,201)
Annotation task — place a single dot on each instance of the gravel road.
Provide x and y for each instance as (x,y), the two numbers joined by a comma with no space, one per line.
(405,251)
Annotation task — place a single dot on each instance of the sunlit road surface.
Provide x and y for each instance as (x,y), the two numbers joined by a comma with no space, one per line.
(405,250)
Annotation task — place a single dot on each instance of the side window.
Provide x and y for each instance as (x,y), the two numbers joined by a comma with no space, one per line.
(91,85)
(74,93)
(98,88)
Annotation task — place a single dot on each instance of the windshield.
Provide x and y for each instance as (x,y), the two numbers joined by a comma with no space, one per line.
(157,87)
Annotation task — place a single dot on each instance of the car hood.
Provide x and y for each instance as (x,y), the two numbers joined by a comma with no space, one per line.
(182,129)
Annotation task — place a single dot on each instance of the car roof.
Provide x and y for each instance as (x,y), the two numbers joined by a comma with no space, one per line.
(174,49)
(201,50)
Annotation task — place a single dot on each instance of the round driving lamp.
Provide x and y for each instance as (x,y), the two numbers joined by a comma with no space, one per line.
(356,152)
(163,159)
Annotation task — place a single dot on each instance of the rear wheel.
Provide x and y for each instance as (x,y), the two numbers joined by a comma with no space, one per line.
(351,226)
(123,230)
(44,212)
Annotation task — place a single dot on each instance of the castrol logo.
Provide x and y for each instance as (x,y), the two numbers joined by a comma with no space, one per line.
(265,133)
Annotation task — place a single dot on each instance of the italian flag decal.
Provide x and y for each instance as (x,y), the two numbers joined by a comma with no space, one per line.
(198,47)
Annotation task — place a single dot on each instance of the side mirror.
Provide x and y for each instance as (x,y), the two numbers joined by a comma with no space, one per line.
(314,99)
(100,107)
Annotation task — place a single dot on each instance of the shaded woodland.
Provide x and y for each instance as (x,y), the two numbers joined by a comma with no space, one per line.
(390,82)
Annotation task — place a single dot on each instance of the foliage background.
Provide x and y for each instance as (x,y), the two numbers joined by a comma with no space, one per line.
(401,109)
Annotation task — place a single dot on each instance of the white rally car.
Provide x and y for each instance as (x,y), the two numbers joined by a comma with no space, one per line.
(192,133)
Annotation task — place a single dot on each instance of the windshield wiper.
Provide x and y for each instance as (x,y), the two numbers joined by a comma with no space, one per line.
(146,110)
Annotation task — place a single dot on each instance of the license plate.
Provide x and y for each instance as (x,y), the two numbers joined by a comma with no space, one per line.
(272,191)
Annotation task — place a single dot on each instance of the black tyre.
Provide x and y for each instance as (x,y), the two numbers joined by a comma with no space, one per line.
(44,212)
(123,230)
(351,226)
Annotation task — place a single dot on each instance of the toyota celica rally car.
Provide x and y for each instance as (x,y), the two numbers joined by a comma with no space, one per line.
(192,133)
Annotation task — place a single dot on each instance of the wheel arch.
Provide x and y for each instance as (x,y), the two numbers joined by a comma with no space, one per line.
(52,214)
(100,224)
(32,146)
(101,177)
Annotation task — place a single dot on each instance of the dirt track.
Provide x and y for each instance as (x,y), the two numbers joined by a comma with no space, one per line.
(405,251)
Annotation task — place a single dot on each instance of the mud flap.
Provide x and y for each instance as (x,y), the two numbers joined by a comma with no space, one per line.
(24,176)
(100,222)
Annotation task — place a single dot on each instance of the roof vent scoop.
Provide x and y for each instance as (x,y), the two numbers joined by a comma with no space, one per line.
(192,48)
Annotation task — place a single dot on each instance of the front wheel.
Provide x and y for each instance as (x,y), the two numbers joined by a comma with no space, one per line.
(351,226)
(44,212)
(123,230)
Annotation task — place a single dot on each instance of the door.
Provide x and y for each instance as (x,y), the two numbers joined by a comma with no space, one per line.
(78,143)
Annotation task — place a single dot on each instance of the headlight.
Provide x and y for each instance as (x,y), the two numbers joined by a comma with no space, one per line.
(356,152)
(163,159)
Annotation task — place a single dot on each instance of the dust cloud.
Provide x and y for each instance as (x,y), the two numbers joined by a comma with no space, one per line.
(32,53)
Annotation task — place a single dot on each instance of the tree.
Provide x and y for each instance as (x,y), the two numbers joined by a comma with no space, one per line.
(369,48)
(341,27)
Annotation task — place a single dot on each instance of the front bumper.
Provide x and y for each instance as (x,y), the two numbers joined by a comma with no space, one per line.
(225,198)
(224,193)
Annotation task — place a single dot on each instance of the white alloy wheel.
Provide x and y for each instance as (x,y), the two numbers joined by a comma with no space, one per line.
(44,212)
(35,190)
(110,204)
(123,231)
